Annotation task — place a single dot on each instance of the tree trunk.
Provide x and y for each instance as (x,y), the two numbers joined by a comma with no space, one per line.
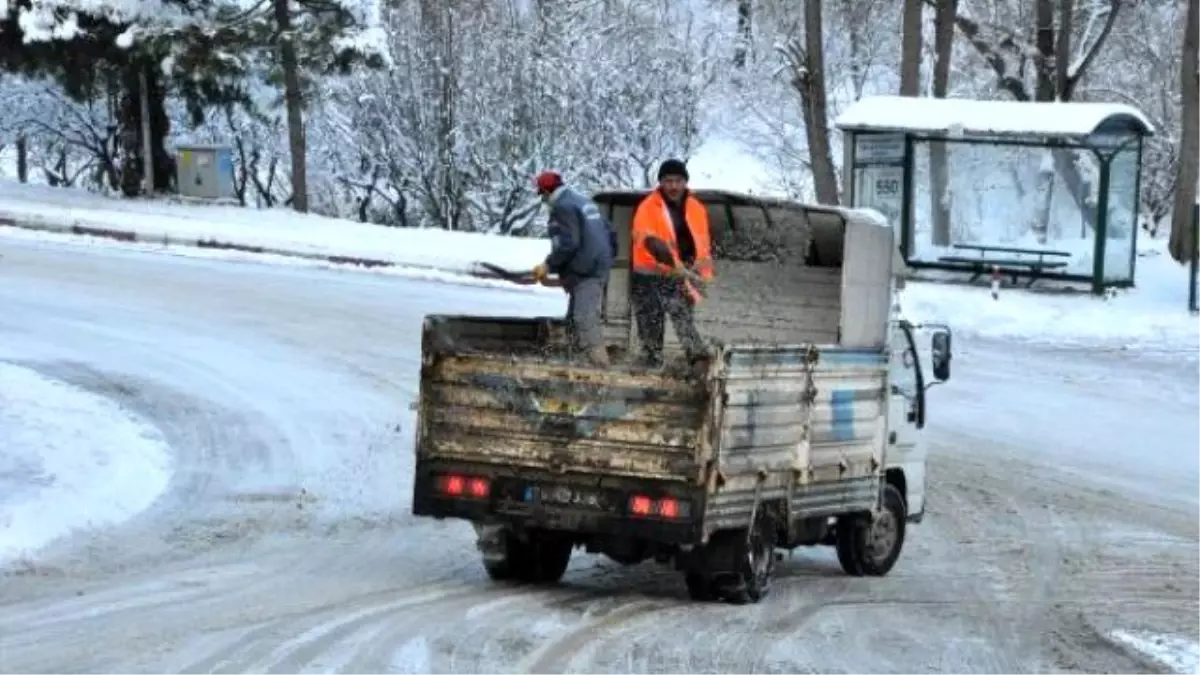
(22,159)
(294,100)
(1181,244)
(160,128)
(939,174)
(744,32)
(1045,89)
(816,114)
(130,146)
(910,48)
(130,125)
(1062,65)
(854,37)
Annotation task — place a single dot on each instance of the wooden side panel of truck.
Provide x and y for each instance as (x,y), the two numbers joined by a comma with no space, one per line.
(489,395)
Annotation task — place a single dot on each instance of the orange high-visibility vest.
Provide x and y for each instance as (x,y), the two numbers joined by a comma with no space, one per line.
(652,219)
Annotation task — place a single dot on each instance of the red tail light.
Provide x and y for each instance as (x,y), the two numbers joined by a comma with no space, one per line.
(454,485)
(666,507)
(479,488)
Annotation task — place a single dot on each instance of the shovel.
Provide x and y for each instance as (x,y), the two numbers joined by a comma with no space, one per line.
(661,251)
(490,271)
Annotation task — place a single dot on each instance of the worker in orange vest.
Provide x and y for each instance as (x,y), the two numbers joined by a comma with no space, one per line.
(675,216)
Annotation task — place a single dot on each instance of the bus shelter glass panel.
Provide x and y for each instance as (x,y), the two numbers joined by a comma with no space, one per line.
(1021,196)
(1121,228)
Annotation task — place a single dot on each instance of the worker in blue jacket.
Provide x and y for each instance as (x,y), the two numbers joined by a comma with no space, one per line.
(583,245)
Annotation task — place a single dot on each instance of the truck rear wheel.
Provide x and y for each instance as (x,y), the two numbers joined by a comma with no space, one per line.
(756,565)
(747,569)
(542,559)
(700,587)
(870,546)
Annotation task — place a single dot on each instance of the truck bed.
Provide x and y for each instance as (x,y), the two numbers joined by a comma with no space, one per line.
(499,391)
(801,424)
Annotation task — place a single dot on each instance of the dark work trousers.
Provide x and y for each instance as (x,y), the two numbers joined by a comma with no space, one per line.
(585,305)
(654,298)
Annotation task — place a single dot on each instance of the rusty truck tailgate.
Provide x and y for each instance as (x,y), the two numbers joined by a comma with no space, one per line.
(528,412)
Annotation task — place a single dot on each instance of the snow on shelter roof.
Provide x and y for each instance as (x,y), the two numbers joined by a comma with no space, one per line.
(991,118)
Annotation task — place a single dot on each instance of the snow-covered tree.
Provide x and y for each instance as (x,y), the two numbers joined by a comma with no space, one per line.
(471,97)
(481,96)
(205,51)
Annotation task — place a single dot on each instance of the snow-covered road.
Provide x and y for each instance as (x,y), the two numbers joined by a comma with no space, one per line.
(283,542)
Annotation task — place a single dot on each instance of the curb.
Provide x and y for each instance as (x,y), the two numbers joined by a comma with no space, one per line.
(129,236)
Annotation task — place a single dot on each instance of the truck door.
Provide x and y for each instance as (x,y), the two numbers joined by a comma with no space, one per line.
(906,416)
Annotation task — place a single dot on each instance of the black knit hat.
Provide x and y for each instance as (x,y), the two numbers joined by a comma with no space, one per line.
(672,167)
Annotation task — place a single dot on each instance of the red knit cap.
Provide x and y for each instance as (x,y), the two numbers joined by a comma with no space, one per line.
(548,181)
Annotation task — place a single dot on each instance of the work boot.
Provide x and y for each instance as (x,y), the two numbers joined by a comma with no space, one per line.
(649,361)
(598,356)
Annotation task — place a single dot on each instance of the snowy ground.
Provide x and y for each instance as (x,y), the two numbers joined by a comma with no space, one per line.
(1062,513)
(69,459)
(1152,317)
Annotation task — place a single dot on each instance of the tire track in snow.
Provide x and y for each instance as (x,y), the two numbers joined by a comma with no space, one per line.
(554,655)
(74,620)
(464,631)
(486,633)
(366,639)
(332,638)
(257,649)
(1019,530)
(957,514)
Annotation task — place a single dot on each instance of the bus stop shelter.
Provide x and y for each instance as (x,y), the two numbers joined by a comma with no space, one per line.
(1032,190)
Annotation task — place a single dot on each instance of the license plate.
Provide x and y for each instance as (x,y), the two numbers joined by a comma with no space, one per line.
(565,495)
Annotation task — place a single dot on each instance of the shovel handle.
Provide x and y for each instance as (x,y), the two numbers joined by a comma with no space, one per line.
(491,271)
(663,255)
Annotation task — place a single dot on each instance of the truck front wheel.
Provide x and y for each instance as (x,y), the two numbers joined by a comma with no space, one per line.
(870,546)
(541,559)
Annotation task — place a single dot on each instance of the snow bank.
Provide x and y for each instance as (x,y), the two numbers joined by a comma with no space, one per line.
(284,231)
(1177,654)
(68,460)
(1153,315)
(400,270)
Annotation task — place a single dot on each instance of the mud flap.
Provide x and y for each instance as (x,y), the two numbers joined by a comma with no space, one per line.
(491,541)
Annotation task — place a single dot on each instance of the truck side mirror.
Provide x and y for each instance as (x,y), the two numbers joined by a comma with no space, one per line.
(940,358)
